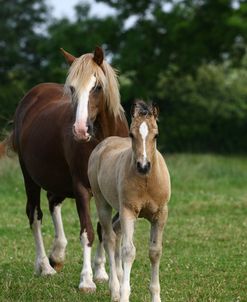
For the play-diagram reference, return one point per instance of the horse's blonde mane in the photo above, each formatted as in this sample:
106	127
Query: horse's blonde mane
80	74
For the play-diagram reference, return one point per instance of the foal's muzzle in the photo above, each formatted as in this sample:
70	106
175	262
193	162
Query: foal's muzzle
143	168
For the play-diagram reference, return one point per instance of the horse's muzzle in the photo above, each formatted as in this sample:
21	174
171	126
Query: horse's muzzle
81	135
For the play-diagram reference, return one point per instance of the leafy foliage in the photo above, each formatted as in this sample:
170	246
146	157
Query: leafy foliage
20	33
187	55
206	112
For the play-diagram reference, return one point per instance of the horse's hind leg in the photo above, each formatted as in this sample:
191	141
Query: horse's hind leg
100	274
34	213
57	255
82	197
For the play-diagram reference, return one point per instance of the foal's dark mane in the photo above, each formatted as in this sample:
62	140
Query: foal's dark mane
143	108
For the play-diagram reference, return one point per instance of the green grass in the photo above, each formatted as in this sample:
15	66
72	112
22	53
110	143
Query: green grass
205	246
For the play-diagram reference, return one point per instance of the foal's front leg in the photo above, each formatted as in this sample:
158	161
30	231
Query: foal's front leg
86	235
155	252
127	219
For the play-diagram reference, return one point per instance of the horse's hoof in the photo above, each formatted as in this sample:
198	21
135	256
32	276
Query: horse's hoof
87	290
87	287
56	265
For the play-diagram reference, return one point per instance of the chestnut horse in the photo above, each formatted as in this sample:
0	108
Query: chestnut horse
56	127
131	176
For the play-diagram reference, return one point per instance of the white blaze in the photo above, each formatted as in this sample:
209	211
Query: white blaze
82	108
144	132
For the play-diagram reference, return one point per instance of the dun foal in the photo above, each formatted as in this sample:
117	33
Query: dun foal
130	175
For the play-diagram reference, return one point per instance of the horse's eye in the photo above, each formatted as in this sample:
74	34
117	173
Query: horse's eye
72	89
131	135
156	135
98	88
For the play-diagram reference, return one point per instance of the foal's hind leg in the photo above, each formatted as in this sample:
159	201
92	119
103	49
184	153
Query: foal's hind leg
34	213
109	239
118	252
57	254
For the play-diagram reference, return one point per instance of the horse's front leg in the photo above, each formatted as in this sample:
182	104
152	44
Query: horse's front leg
100	274
82	197
155	251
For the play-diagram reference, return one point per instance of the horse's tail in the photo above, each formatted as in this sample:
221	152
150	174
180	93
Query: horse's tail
2	148
10	141
8	145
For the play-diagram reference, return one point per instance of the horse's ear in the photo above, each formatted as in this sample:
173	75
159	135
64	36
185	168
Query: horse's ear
69	58
98	55
155	110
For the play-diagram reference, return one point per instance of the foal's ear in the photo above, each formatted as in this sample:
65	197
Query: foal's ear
133	110
69	58
155	110
98	55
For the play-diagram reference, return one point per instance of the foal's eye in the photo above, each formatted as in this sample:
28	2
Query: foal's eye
131	135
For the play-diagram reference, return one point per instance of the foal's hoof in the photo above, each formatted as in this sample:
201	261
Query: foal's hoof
48	272
101	277
115	298
43	268
87	287
56	265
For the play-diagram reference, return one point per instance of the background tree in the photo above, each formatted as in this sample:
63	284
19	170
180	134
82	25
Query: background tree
187	55
21	26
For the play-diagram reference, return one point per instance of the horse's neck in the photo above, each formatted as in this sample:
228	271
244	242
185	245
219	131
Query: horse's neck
108	125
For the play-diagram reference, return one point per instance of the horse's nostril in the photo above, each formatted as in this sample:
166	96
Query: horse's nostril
89	128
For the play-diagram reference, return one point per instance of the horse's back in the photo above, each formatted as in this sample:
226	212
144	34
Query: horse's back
41	120
36	98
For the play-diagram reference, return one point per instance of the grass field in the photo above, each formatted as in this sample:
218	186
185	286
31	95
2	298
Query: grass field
205	243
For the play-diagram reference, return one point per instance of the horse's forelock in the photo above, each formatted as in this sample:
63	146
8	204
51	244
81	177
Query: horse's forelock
80	74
